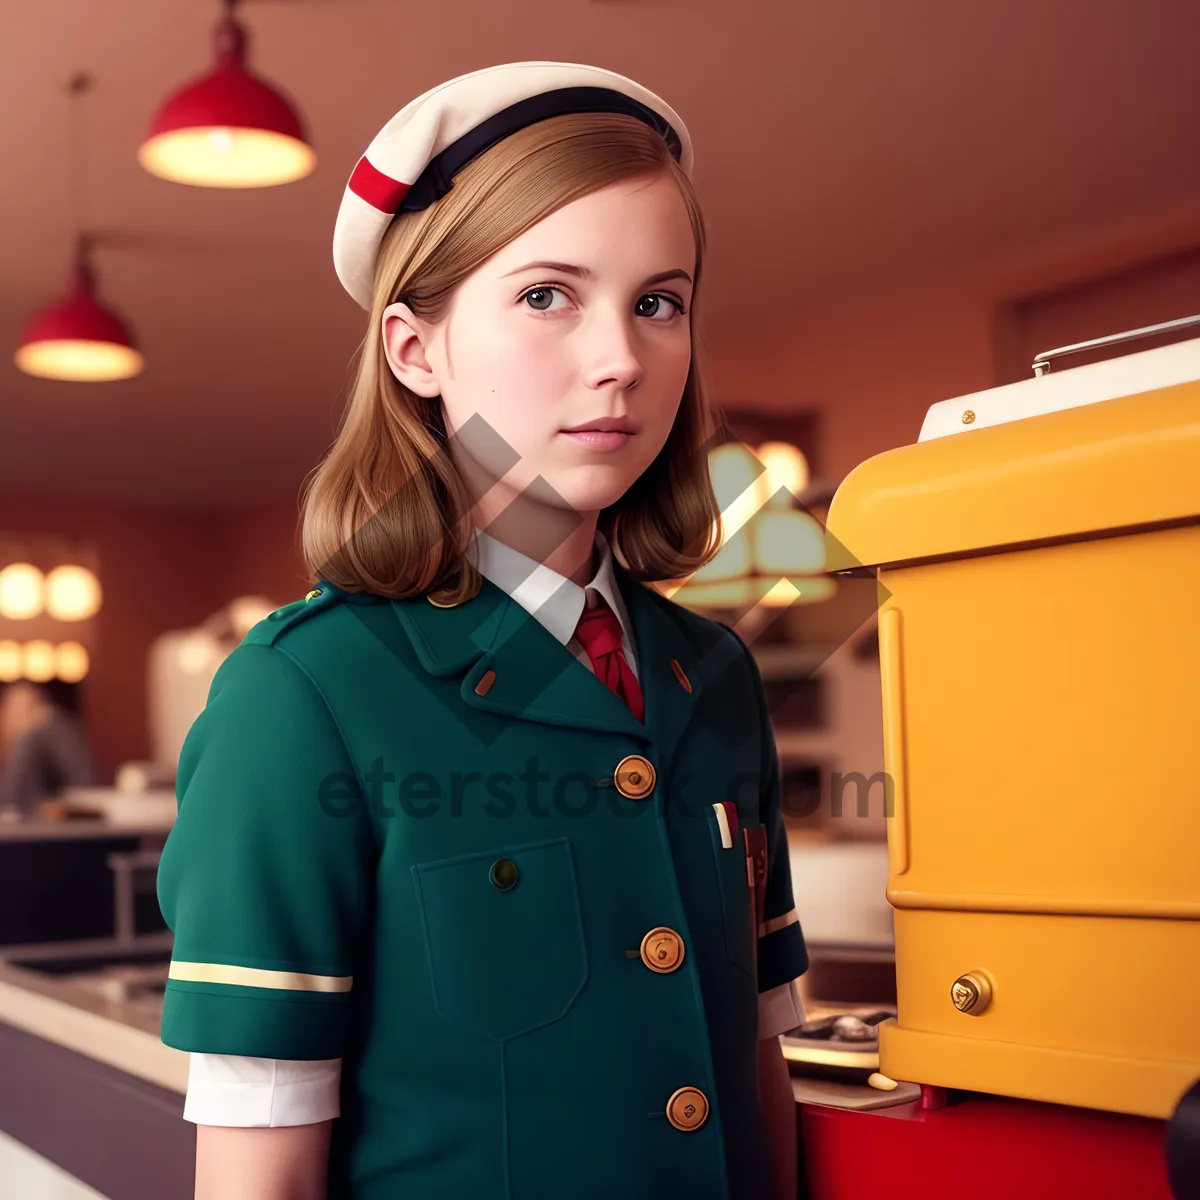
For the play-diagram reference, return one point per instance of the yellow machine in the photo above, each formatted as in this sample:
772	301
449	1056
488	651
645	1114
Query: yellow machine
1039	554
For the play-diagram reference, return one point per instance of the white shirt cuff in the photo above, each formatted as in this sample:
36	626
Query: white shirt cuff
236	1090
779	1010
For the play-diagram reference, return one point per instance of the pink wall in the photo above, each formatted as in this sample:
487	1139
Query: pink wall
264	555
872	366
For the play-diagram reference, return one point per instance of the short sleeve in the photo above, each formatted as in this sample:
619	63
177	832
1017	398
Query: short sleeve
266	877
782	954
233	1091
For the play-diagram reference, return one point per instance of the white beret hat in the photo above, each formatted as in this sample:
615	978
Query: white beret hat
413	159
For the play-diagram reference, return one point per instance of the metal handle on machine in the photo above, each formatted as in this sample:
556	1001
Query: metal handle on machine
1041	364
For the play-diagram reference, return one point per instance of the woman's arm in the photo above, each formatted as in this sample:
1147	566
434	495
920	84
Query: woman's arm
288	1162
779	1108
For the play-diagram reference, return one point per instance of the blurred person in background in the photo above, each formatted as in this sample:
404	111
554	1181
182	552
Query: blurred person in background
43	748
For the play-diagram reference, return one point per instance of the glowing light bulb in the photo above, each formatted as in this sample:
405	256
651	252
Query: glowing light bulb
72	593
71	662
21	591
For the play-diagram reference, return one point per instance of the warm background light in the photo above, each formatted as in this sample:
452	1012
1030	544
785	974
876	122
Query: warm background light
787	542
10	661
78	338
735	475
770	551
224	157
198	652
72	593
21	591
38	661
785	467
229	128
79	361
71	662
246	611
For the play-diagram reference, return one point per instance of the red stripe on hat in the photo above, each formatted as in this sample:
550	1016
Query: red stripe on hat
377	189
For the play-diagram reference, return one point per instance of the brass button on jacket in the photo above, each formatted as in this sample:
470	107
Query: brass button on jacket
662	950
687	1109
634	777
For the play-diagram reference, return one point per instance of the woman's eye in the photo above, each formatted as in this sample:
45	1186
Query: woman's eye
653	306
658	307
540	298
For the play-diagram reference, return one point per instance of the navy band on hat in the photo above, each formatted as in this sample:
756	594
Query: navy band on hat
438	177
412	161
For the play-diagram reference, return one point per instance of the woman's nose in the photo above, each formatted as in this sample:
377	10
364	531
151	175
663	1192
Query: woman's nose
612	352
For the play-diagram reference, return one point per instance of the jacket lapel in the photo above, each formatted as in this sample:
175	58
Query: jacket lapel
664	643
515	667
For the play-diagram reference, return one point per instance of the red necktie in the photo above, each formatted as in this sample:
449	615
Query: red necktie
599	632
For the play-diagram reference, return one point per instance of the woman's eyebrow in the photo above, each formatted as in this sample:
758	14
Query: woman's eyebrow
584	273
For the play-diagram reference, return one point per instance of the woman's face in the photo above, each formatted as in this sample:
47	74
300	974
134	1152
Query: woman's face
581	321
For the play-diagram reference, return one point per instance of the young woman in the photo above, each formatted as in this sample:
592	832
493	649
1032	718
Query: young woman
479	847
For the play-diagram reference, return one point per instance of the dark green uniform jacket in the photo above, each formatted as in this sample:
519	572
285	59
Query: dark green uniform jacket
431	842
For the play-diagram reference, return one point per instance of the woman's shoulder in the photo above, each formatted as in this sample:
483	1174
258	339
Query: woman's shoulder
321	601
289	656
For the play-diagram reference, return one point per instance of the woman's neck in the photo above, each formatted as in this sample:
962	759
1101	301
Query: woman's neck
559	538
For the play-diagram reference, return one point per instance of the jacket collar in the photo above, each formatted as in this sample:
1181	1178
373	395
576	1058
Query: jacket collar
556	601
535	676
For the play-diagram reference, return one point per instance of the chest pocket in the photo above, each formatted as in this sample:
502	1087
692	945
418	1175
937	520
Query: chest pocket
741	934
504	936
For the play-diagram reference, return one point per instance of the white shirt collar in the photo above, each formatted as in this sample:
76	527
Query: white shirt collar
555	601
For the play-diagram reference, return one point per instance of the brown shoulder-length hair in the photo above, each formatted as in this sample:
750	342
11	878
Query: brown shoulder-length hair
385	511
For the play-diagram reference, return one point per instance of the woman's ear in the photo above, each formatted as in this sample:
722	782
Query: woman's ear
404	339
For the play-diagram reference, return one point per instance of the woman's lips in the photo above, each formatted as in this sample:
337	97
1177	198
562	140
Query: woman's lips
603	441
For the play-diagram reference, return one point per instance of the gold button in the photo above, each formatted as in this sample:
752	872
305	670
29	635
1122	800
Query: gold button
687	1109
634	777
971	993
662	950
443	603
313	594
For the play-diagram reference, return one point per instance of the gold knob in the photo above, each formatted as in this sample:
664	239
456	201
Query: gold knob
971	993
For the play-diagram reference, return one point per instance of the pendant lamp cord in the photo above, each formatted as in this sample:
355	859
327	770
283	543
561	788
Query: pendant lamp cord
80	83
231	37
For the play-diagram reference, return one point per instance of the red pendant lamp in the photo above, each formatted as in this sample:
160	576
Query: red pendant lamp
77	338
228	128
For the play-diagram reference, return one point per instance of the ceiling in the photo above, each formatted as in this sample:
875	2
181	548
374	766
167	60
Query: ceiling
840	147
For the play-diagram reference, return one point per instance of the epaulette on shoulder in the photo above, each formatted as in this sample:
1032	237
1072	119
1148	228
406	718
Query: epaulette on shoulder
271	627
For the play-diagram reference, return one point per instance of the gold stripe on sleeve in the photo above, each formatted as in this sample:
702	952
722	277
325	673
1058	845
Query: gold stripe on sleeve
777	923
291	981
